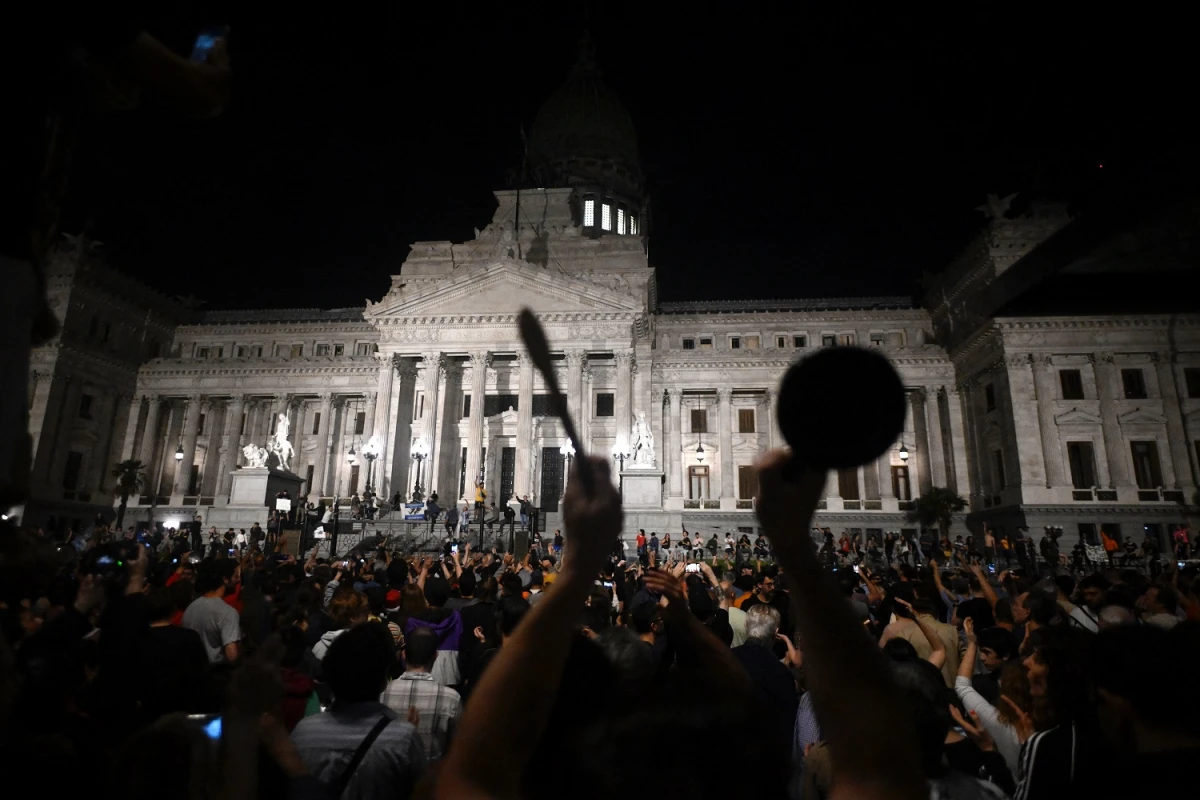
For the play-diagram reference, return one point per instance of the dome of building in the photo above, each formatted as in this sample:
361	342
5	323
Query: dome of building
583	136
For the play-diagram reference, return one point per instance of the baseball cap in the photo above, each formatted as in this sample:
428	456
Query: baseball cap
392	601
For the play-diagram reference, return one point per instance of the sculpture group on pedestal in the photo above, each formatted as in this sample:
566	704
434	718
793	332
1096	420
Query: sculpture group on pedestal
643	442
278	447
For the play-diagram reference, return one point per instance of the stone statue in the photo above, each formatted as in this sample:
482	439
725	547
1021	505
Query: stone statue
643	442
996	207
256	457
278	445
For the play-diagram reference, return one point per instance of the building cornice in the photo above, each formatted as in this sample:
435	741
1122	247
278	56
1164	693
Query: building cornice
790	305
471	320
680	361
235	367
1096	322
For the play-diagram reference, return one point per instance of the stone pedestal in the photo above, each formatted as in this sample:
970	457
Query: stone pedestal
252	497
642	489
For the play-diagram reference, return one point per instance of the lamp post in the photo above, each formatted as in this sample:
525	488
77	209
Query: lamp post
371	451
420	451
179	453
903	453
567	451
621	454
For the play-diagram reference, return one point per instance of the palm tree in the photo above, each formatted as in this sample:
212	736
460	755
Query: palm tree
130	480
937	507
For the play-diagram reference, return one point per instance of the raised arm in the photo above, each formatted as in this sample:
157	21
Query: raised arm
938	656
512	701
853	693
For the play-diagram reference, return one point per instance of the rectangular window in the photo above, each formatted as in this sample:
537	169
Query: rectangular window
85	406
706	343
848	483
543	406
322	349
363	349
828	340
1113	529
217	352
193	484
360	422
751	342
201	352
900	483
340	350
1082	461
241	351
605	402
689	344
316	428
589	213
699	420
606	216
698	483
877	340
1133	381
799	341
466	406
747	482
71	472
846	339
989	397
998	469
418	406
508	473
781	341
735	343
297	350
621	221
1071	381
353	488
745	420
203	418
494	404
256	351
1147	470
633	226
308	479
1191	381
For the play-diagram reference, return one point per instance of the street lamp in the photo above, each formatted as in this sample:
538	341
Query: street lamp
179	453
420	451
567	451
621	454
350	456
371	451
700	453
903	453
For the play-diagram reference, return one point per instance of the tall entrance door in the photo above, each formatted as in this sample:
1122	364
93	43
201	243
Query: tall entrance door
552	478
508	471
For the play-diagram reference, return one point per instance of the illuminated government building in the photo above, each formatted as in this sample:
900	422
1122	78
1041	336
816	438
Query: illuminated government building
1037	416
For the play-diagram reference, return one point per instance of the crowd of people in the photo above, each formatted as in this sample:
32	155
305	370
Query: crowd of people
148	667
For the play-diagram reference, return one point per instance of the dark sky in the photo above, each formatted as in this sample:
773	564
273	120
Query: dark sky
788	153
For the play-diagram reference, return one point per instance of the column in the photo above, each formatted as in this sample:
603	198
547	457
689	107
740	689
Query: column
1026	428
725	430
322	450
233	446
673	457
150	438
131	427
1043	388
479	365
585	407
933	429
183	469
883	471
621	407
387	381
1107	390
776	437
574	388
72	390
916	410
372	399
965	479
522	480
1177	440
107	417
432	367
333	464
400	427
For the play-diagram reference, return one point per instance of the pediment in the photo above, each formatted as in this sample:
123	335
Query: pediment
505	287
1076	417
1140	416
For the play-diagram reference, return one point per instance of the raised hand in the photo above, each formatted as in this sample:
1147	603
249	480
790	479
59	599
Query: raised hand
592	516
974	729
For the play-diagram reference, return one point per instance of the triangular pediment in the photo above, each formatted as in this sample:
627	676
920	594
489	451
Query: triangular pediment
1140	416
1076	417
505	287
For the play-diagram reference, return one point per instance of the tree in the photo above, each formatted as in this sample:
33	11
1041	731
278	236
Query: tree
938	507
130	480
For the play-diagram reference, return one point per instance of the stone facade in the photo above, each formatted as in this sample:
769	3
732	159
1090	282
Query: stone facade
1069	420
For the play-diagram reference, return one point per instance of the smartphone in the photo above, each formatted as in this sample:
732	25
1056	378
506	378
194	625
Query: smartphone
607	584
856	571
1179	565
453	548
992	568
209	723
692	568
207	40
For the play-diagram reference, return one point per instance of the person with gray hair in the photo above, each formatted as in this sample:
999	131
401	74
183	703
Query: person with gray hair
772	680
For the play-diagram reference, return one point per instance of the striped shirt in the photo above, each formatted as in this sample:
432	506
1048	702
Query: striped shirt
438	706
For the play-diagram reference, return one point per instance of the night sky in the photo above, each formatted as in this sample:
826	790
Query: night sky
787	153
